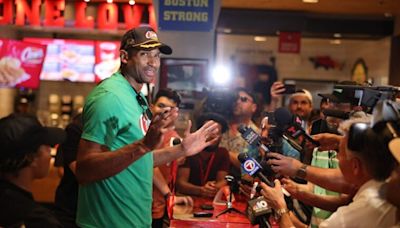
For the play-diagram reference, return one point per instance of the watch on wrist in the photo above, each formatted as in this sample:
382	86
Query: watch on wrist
302	172
280	212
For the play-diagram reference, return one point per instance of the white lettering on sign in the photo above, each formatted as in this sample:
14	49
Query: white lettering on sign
191	3
185	16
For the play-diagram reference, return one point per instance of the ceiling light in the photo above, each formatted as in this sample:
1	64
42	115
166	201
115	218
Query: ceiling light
310	1
260	38
227	30
336	41
337	35
387	14
109	1
132	2
87	0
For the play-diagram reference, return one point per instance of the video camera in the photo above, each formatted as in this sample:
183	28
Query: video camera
365	96
220	101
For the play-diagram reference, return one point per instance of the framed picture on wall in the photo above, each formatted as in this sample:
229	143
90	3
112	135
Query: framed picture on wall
314	86
188	76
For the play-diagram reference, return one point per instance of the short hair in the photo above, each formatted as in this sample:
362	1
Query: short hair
374	151
248	92
203	118
169	93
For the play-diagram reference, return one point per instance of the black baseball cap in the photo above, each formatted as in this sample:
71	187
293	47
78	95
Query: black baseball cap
143	38
21	134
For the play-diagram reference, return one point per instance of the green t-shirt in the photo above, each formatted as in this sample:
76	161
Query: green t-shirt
323	159
113	117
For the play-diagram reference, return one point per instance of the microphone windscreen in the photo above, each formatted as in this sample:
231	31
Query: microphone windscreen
283	117
242	157
242	128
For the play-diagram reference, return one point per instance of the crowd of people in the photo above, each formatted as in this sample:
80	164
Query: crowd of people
125	165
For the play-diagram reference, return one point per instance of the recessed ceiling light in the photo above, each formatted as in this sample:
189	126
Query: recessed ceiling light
109	1
336	41
337	35
310	1
260	38
87	0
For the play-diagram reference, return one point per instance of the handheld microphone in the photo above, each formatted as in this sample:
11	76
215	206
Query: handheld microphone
252	137
286	121
257	209
252	167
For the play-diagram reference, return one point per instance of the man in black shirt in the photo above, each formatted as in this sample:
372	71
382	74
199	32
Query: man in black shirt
24	156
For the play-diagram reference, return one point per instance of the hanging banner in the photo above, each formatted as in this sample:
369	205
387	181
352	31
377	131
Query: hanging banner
186	15
289	42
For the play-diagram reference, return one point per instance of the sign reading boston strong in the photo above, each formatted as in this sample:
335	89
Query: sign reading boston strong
186	15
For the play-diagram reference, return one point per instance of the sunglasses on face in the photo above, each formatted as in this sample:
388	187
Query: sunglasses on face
243	99
143	104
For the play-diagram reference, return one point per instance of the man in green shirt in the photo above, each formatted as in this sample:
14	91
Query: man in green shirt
120	140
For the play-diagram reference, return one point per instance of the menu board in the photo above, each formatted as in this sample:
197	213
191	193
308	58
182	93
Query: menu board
20	63
70	60
107	59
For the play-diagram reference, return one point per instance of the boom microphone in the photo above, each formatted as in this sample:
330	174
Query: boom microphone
252	167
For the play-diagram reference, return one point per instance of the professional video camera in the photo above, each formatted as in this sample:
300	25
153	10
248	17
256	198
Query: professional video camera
220	101
365	96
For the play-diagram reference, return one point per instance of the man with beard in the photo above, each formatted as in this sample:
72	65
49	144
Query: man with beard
204	173
243	111
120	142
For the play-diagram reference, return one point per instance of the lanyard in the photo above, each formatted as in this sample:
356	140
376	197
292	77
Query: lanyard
205	177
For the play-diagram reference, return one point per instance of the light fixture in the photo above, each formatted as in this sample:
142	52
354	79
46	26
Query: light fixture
86	0
132	2
227	30
109	1
337	35
310	1
260	38
335	41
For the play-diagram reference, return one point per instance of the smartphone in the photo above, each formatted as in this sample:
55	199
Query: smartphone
289	89
202	214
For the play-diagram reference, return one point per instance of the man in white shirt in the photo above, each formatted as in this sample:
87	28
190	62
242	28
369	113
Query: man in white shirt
366	162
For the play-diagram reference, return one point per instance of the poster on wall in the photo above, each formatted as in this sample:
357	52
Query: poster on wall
67	60
289	42
107	59
20	63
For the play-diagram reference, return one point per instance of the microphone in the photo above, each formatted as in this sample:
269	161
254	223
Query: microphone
288	123
252	167
176	141
257	210
252	137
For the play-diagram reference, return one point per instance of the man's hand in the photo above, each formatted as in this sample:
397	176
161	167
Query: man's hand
283	165
183	200
277	89
274	196
209	189
328	141
195	142
160	124
291	187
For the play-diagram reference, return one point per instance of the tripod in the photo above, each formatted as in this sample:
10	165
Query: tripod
229	208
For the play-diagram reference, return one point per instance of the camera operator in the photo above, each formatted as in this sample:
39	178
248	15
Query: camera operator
365	161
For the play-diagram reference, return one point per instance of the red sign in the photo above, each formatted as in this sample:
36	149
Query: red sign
28	12
289	42
20	63
107	59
